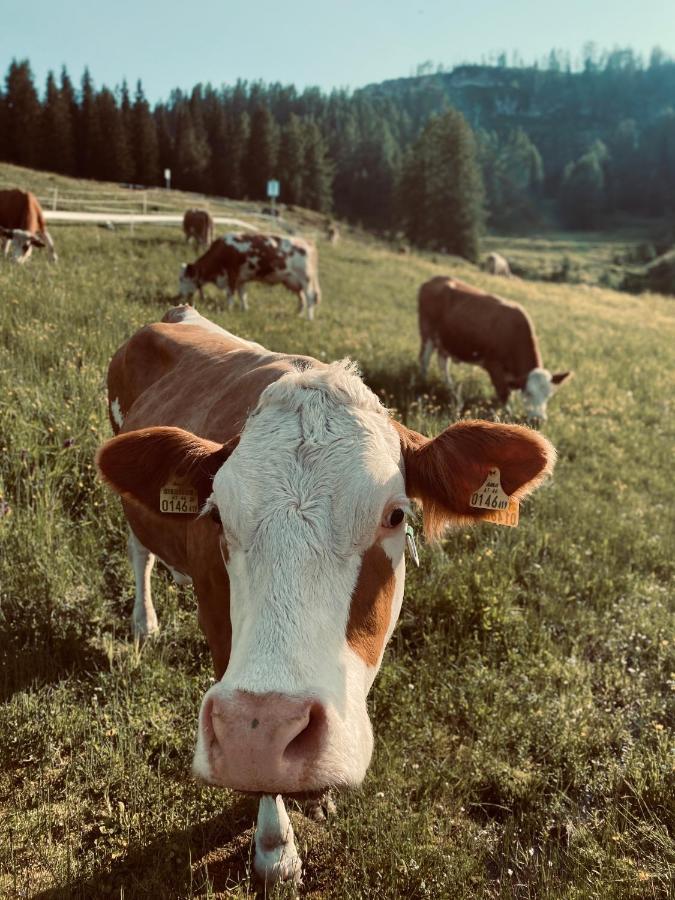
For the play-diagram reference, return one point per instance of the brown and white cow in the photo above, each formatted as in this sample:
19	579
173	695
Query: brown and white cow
235	259
465	324
280	486
22	225
496	264
198	225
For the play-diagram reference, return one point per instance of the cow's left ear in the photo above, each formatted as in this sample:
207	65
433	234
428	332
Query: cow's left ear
6	233
37	242
559	377
138	464
442	473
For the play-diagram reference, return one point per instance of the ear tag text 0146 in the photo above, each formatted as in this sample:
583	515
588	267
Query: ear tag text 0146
502	509
411	544
178	498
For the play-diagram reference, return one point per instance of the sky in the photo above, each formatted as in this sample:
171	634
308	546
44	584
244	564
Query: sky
341	43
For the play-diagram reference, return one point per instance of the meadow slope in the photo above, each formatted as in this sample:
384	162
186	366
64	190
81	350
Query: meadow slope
521	715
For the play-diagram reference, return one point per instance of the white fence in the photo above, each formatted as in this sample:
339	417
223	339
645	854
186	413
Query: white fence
127	204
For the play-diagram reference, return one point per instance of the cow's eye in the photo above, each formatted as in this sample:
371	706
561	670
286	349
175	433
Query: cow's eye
215	515
393	518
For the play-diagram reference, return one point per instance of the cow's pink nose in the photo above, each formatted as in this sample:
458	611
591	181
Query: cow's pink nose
264	742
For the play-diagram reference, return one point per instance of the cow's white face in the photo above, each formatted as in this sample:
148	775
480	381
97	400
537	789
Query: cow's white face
539	387
21	244
536	393
312	506
187	283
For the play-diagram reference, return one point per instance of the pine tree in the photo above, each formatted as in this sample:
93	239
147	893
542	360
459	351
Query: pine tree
88	130
291	162
513	174
112	161
165	140
22	115
317	176
69	99
144	143
374	168
237	138
191	153
261	158
441	189
57	149
215	124
582	192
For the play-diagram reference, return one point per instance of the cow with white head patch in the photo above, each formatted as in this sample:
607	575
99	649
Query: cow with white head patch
22	225
465	324
280	486
234	260
19	244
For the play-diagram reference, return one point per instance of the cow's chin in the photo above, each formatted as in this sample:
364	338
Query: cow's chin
341	763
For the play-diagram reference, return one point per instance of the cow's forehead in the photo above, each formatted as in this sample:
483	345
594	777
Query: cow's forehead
324	455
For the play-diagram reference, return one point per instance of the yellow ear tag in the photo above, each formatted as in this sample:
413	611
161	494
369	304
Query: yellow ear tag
178	498
502	509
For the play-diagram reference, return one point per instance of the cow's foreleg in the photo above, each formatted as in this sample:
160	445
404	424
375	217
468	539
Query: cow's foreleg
498	377
47	238
426	351
144	617
444	363
276	856
243	302
302	302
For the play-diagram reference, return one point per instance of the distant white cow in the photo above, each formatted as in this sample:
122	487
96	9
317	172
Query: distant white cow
498	265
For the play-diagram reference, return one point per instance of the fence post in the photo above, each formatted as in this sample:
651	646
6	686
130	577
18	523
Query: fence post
145	202
55	198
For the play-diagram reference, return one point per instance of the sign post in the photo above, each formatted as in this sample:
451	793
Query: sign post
273	189
167	179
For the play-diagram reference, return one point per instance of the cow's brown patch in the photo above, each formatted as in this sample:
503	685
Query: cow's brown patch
370	611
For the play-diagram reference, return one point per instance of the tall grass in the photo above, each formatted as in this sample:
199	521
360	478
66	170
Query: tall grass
523	711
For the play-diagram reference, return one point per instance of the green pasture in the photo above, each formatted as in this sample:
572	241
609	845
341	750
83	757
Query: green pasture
523	713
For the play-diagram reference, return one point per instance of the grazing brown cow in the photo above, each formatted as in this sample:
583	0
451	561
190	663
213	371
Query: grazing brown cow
198	224
496	264
279	485
22	225
235	259
465	324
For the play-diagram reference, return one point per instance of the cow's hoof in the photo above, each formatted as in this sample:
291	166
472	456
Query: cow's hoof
145	627
278	867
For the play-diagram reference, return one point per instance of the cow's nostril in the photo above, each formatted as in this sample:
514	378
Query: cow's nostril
309	741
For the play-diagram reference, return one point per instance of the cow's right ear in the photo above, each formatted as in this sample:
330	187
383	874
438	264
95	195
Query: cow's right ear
138	464
37	242
6	233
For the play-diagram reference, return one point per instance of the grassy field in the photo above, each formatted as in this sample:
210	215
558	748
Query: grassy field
521	716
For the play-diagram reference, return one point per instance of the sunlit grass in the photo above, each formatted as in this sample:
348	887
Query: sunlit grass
522	713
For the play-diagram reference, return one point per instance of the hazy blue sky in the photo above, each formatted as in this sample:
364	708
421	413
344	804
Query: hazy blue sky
332	44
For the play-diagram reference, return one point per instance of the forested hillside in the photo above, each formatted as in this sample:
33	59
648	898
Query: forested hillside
584	143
